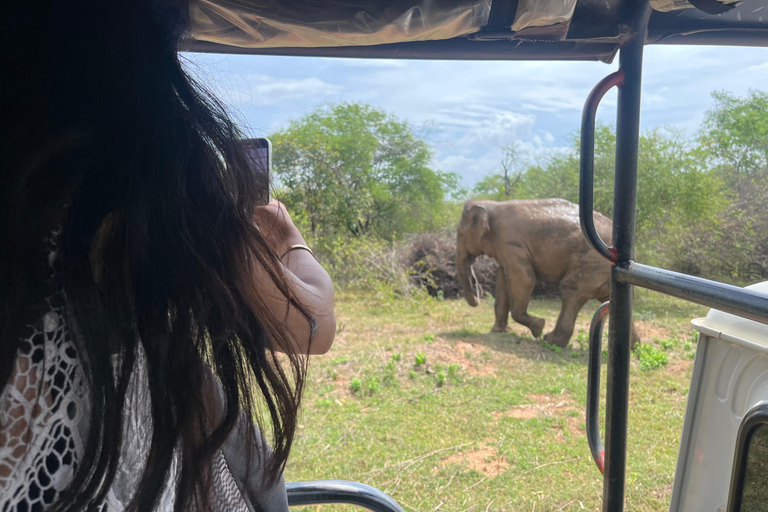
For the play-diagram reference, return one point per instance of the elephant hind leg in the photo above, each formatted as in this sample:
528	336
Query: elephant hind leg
569	311
521	280
575	291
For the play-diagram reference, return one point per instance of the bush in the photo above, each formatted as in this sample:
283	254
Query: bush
365	263
650	357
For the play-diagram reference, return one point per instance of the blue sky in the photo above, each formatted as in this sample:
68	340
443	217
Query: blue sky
467	110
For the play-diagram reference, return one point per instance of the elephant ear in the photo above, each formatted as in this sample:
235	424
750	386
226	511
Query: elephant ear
477	217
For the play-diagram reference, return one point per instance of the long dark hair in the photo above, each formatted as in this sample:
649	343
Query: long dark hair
107	139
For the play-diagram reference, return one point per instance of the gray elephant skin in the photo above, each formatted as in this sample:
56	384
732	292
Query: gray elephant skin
534	240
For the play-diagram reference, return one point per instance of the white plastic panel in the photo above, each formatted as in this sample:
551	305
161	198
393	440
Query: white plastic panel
730	377
731	380
747	330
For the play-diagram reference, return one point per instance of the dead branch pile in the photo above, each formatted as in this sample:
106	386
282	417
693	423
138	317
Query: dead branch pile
431	260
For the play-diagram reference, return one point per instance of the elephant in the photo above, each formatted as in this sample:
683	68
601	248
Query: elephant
534	240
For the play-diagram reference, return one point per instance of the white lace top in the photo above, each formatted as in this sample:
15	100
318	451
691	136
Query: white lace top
44	416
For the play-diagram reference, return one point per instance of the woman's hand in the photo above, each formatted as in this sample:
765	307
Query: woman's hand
311	283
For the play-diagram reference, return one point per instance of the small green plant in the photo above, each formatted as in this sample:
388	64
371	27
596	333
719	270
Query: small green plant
355	385
440	295
668	344
340	360
390	373
429	338
553	348
575	354
453	371
373	385
650	357
397	356
412	375
420	358
440	378
582	338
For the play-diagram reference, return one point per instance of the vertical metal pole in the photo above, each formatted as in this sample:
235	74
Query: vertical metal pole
624	215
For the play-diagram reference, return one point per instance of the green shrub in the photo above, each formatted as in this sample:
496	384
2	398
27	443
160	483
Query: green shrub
650	357
420	358
668	344
373	385
355	385
453	371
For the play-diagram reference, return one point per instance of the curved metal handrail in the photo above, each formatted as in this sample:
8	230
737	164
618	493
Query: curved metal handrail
322	492
587	165
593	384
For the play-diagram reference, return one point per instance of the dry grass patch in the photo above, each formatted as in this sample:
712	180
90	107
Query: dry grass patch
540	405
679	367
484	460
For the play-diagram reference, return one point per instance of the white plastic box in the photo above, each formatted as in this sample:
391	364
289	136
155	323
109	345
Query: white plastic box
730	377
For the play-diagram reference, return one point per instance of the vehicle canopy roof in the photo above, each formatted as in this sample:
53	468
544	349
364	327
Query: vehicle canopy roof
466	29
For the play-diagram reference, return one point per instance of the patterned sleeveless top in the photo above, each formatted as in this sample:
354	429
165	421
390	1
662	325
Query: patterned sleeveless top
44	416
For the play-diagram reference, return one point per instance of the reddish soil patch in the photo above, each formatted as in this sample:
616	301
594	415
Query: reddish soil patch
548	406
484	460
445	353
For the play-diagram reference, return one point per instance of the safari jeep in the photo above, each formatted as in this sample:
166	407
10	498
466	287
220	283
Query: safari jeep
725	436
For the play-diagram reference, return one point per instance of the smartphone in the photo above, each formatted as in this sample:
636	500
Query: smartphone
259	154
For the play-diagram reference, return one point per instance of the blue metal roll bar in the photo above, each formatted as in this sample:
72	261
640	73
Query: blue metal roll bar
323	492
625	272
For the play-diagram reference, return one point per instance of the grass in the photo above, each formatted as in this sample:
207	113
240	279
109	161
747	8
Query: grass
419	399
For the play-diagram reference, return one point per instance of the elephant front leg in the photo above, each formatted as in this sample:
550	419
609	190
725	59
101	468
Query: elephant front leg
521	280
501	307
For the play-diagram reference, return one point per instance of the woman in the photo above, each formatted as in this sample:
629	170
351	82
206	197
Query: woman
144	295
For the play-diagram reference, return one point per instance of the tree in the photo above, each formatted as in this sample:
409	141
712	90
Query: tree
735	138
500	186
355	169
734	142
675	188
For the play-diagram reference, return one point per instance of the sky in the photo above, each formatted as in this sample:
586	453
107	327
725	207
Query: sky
467	110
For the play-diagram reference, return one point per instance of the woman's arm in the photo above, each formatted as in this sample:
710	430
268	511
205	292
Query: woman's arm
311	283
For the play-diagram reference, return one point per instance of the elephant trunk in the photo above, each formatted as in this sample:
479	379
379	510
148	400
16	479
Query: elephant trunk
464	262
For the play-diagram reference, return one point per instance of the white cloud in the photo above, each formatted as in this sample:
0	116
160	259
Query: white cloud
472	108
500	128
268	90
759	67
369	63
470	169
